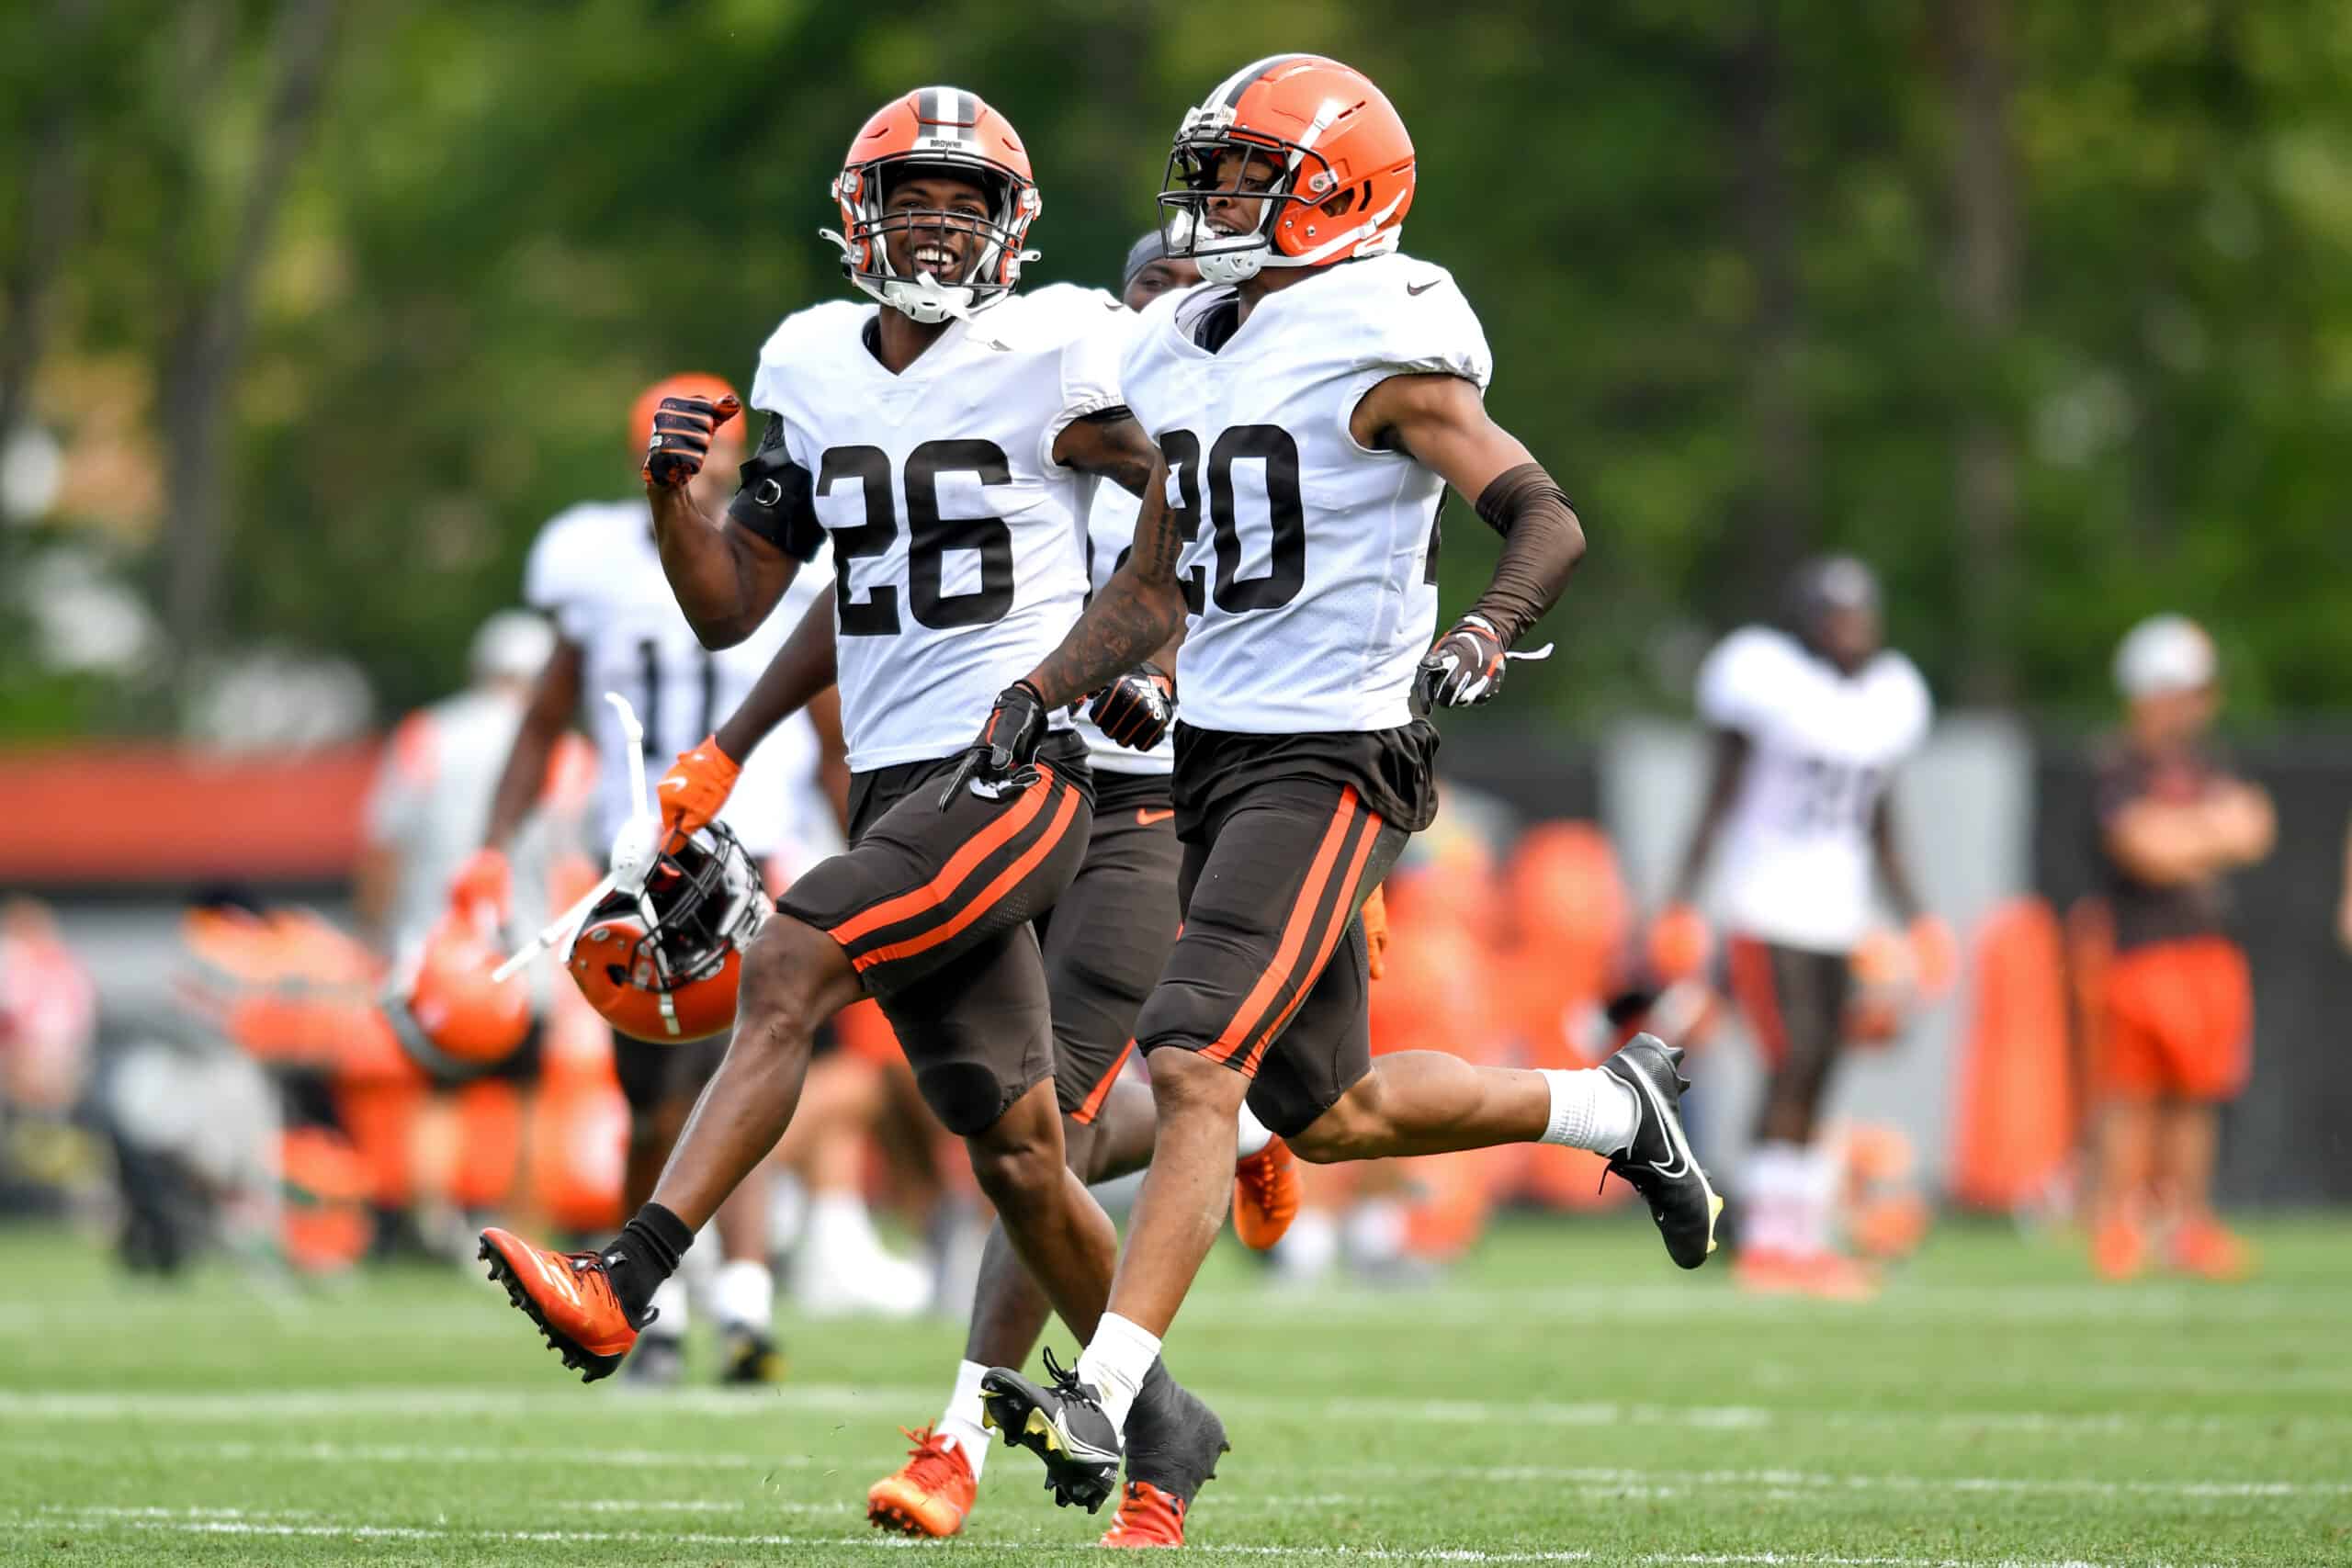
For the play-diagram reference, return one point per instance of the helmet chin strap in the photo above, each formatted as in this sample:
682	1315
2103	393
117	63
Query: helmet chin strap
922	298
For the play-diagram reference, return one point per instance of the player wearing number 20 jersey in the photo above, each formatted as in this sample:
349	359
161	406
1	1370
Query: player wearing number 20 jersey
1310	400
1252	426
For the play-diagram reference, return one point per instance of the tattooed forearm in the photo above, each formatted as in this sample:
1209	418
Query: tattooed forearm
1129	621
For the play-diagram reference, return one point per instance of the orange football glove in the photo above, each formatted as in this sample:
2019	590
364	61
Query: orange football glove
695	788
1375	932
485	881
1681	943
1934	956
683	428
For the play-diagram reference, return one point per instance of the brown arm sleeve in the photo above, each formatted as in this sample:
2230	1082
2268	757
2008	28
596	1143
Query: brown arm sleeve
1542	543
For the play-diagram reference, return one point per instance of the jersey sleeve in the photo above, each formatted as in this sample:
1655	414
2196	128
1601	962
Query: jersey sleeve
559	576
774	500
1100	329
776	496
1426	328
1738	683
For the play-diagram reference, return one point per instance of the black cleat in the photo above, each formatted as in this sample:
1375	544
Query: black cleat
1174	1439
1659	1162
1066	1426
748	1355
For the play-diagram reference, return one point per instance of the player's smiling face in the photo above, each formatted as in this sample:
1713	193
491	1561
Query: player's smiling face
1238	177
942	216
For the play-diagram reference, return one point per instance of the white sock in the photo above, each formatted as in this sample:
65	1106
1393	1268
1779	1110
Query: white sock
839	1221
1815	1198
1115	1360
1376	1230
745	1294
1591	1109
788	1212
960	1423
1309	1248
670	1302
1771	1179
1254	1135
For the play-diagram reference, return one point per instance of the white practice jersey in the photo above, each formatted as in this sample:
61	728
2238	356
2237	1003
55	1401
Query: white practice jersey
1797	859
1110	535
1308	569
595	570
958	542
432	795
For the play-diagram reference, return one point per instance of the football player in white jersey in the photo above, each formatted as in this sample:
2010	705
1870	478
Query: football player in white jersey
1809	731
947	438
1310	402
594	572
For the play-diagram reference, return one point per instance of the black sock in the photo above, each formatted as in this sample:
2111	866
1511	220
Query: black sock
644	1254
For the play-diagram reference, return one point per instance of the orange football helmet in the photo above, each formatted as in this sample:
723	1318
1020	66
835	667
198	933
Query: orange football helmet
448	1013
1345	179
664	964
691	384
935	128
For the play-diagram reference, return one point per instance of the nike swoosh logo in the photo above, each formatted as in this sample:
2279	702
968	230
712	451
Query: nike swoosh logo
1681	1165
1145	816
1421	287
672	784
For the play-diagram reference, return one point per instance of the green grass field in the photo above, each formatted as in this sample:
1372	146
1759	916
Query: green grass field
1567	1397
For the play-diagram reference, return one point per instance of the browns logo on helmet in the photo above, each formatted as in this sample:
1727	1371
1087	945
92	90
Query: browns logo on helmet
935	130
1334	169
665	964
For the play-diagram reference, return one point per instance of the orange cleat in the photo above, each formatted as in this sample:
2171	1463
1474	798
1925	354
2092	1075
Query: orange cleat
929	1495
1833	1277
2205	1250
569	1295
1265	1195
1147	1517
1766	1271
2119	1252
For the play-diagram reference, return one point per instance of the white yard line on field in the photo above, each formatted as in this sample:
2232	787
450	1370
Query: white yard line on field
207	1522
452	1454
1595	1480
1689	1481
474	1400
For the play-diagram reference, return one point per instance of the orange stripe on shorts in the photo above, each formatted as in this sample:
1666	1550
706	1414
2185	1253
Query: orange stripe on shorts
1342	917
1086	1113
1302	918
988	897
960	864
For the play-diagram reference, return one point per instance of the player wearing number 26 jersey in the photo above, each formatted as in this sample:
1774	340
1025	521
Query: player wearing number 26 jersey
1311	399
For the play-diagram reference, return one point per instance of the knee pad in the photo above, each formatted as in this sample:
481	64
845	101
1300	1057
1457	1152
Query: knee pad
965	1096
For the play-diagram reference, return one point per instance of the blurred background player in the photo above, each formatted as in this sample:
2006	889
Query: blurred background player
425	816
1809	729
2177	1035
594	572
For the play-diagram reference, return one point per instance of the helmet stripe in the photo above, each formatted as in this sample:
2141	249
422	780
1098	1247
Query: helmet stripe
1229	92
928	107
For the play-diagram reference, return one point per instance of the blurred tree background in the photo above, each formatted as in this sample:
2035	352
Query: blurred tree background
311	311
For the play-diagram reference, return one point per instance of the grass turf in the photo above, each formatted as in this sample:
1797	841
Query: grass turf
1565	1396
